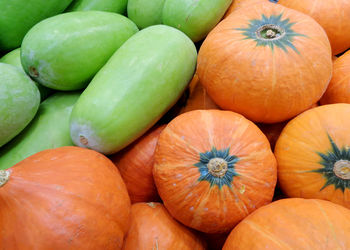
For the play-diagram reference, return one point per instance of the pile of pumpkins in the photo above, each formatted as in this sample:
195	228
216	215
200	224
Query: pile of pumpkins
116	134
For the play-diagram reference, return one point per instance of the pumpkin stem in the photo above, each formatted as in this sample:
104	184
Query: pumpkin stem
4	177
217	167
342	169
269	32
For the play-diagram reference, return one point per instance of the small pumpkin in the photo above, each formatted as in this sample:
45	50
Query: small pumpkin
198	97
268	63
313	155
338	90
332	15
64	198
213	168
135	164
152	227
293	224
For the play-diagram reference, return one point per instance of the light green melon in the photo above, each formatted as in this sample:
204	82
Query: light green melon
145	13
118	6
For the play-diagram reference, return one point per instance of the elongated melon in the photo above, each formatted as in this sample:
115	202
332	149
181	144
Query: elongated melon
18	16
140	82
145	13
19	101
194	17
49	129
13	58
118	6
65	51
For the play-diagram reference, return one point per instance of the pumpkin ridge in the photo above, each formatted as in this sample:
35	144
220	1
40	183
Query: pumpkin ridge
71	195
243	208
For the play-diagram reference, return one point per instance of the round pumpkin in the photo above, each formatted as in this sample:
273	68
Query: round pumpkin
135	164
152	227
236	4
338	90
198	97
293	224
64	198
332	15
313	154
268	63
213	168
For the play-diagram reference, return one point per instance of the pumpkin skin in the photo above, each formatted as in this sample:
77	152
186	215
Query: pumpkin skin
293	224
313	155
198	97
236	4
135	164
152	227
69	198
338	90
333	16
245	76
213	168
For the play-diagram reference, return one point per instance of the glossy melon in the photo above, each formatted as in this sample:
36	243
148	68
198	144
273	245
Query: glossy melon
65	51
118	6
142	80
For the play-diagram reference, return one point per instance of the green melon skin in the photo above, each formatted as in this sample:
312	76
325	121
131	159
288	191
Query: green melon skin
196	18
49	129
19	101
13	58
145	13
64	52
140	82
18	16
117	6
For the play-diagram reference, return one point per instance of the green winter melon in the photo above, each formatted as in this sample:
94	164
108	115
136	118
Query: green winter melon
196	18
18	16
14	59
49	129
19	101
140	82
145	13
118	6
65	51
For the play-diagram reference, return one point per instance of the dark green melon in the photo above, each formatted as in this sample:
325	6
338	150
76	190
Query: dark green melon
140	82
65	51
18	16
13	58
49	129
19	101
118	6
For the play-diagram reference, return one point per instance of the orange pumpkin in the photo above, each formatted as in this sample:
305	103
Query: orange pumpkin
236	4
266	62
198	97
213	168
64	198
313	154
135	164
293	224
152	227
332	15
338	90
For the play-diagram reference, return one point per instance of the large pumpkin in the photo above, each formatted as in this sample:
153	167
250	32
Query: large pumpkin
293	224
338	90
64	198
236	4
333	16
198	97
152	227
313	154
135	164
213	168
266	62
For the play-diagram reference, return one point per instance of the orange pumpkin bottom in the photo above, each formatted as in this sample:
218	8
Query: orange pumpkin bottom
293	224
151	227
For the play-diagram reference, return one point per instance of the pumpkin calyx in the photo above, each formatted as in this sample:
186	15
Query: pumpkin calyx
342	169
217	167
270	32
4	177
